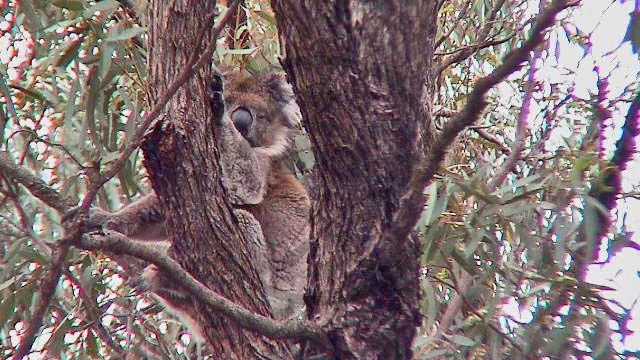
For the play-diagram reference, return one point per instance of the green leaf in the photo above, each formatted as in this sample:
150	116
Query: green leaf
481	194
476	236
69	112
462	340
546	205
266	17
434	354
429	308
241	51
24	295
7	309
34	255
91	96
56	343
68	53
59	24
118	33
91	345
432	194
8	283
32	18
106	7
74	5
462	261
439	206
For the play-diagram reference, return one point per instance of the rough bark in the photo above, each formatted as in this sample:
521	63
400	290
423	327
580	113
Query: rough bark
181	157
362	74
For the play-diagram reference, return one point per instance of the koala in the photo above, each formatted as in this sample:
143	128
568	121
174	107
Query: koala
255	133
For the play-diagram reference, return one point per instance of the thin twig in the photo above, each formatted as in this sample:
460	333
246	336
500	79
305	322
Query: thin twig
412	202
453	25
521	125
454	306
490	138
93	315
37	137
34	184
483	37
46	290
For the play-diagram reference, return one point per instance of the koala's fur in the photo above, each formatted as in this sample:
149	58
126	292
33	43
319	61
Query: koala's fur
272	205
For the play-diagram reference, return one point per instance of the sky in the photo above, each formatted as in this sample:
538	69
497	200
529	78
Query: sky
608	20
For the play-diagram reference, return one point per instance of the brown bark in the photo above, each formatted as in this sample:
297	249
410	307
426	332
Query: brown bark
181	157
363	75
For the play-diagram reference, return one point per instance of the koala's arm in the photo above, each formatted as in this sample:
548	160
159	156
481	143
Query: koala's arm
244	170
142	220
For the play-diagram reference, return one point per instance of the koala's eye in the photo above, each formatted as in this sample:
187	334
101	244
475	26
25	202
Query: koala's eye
242	120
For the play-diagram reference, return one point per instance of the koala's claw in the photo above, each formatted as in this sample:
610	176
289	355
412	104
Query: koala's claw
138	286
144	282
216	99
96	219
152	280
216	82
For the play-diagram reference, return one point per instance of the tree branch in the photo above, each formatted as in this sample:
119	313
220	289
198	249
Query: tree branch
194	63
465	283
34	184
413	200
477	129
47	289
521	125
93	315
119	244
75	231
492	139
624	151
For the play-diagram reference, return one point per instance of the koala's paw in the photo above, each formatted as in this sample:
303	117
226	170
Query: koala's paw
145	282
95	221
216	99
152	280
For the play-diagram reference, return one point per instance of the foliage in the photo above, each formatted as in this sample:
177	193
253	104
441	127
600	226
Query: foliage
505	246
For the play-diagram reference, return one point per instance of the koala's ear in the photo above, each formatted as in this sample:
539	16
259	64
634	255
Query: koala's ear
279	88
282	93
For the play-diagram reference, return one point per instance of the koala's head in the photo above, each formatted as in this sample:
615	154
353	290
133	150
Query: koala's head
263	109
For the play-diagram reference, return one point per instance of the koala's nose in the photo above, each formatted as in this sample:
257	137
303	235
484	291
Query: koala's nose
242	120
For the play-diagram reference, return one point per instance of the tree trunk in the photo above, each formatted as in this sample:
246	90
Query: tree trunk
362	71
181	157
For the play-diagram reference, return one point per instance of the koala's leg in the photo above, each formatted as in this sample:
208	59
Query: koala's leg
178	302
285	219
141	220
252	232
244	171
175	300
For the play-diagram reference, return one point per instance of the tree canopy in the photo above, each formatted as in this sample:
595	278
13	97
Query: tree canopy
520	189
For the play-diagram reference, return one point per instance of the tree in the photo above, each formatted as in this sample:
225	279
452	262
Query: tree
386	88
